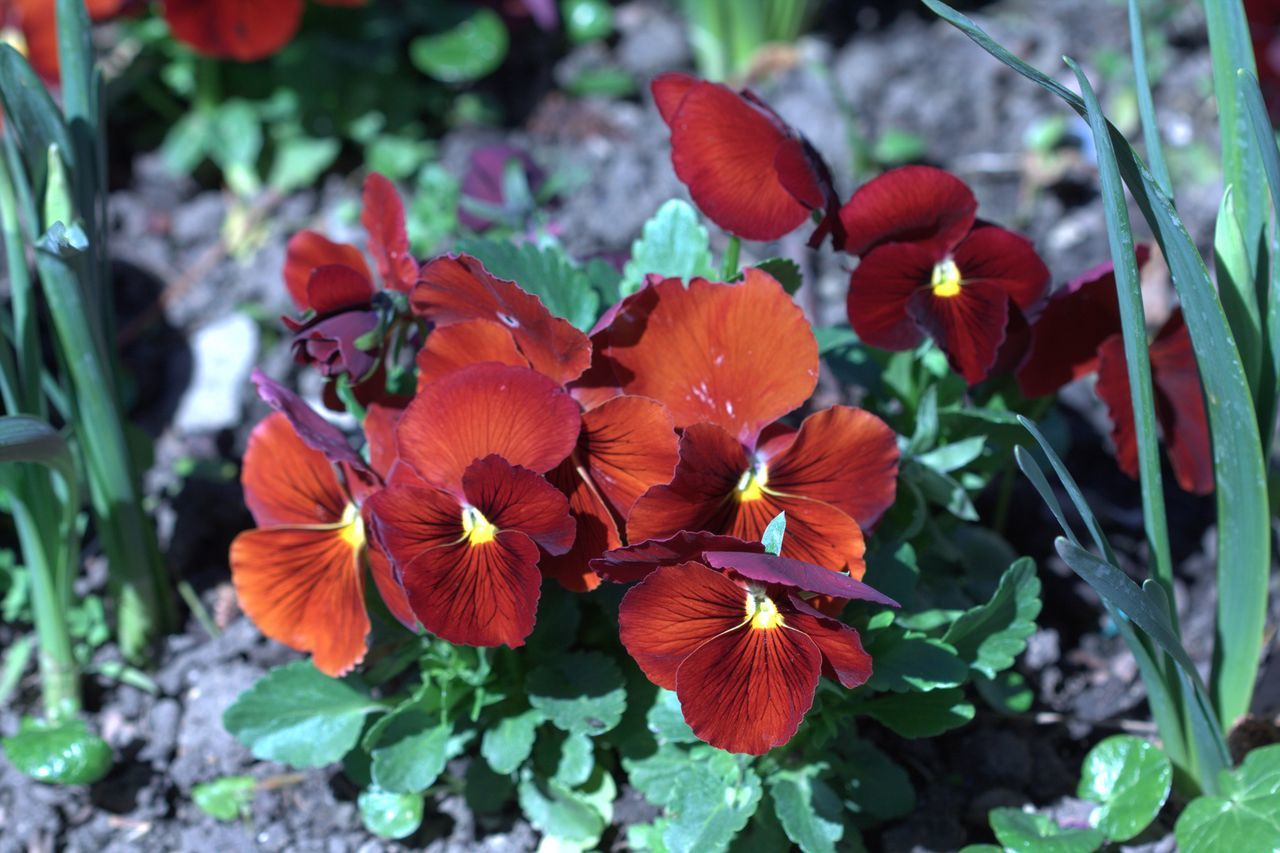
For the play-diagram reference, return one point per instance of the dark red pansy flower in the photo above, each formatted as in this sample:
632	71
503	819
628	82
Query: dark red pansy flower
747	169
457	288
485	183
243	30
730	632
929	267
331	284
1080	333
1264	30
728	360
627	444
300	574
467	510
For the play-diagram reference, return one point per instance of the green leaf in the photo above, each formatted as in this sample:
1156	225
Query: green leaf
1008	692
707	810
487	792
1131	779
227	798
577	760
471	50
389	815
299	162
920	714
909	660
579	692
810	812
62	754
952	457
673	244
877	787
1245	816
572	814
507	745
298	715
666	719
991	635
773	533
654	776
545	272
940	489
35	119
409	750
1029	832
785	270
28	439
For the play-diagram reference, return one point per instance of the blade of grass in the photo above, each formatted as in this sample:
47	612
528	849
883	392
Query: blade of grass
1132	320
1146	106
1244	533
1260	126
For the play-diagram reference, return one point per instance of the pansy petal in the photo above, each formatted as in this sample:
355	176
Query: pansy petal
842	456
737	355
383	219
38	22
1113	389
817	532
910	204
389	587
451	347
747	690
597	532
1184	424
700	496
244	30
723	149
314	430
1006	260
628	445
380	432
843	656
667	616
454	288
308	250
969	327
337	287
796	574
514	412
515	498
1066	336
477	595
635	562
409	519
304	587
287	482
669	90
881	289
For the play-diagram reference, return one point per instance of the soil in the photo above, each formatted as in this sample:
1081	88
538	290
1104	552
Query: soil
196	320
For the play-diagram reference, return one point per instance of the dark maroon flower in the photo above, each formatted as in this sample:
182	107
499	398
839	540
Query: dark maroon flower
485	182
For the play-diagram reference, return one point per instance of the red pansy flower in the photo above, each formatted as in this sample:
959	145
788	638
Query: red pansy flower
930	267
468	509
243	30
1080	333
331	283
728	360
730	632
626	444
747	169
300	575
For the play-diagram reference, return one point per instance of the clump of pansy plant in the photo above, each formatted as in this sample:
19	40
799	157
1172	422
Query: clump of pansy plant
625	547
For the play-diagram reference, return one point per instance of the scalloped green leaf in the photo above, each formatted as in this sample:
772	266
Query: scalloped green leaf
1245	815
991	635
811	814
674	243
507	744
544	271
580	692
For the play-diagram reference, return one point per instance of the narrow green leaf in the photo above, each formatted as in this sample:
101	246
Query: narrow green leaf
36	121
1130	779
773	534
298	715
1137	357
1236	277
27	439
1146	106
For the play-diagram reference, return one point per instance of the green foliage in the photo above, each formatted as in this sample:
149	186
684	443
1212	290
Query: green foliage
227	798
64	753
920	715
471	49
575	815
1130	779
507	744
1243	815
810	812
991	635
785	270
673	244
580	692
773	534
299	716
389	815
409	748
1029	832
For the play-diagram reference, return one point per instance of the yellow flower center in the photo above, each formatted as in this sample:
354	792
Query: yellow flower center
761	610
353	527
751	484
477	528
945	280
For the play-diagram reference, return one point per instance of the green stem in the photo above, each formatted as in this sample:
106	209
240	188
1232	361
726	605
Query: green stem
26	338
729	269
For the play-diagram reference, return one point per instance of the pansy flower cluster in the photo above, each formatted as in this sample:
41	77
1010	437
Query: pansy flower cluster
651	451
